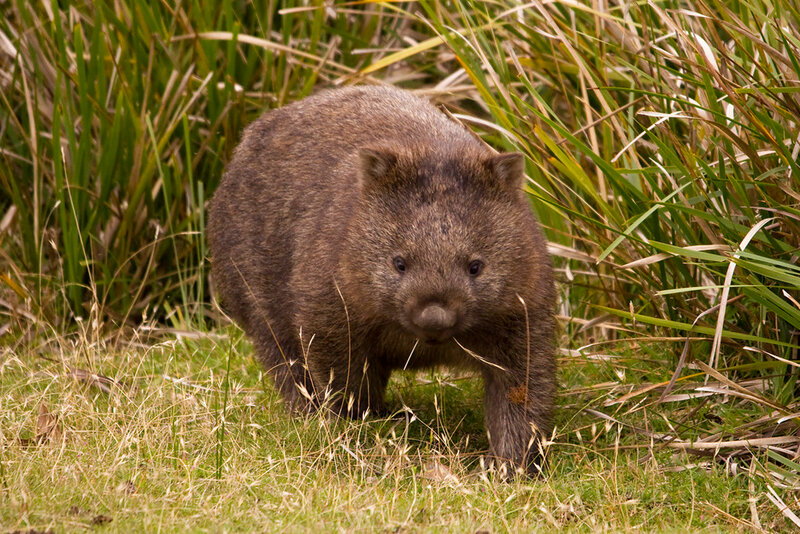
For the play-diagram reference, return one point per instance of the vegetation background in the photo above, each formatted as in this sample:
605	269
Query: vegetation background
662	141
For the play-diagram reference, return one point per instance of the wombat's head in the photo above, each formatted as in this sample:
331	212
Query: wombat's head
441	243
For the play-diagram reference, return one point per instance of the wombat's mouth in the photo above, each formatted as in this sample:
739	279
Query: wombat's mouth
435	341
435	338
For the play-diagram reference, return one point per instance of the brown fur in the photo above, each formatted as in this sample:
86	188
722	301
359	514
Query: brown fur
327	199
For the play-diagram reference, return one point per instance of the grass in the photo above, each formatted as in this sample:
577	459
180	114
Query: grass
662	144
116	123
143	453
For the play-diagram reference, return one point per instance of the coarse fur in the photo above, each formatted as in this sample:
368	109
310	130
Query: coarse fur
360	231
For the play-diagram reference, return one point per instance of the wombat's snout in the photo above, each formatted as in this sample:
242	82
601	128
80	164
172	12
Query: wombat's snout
434	322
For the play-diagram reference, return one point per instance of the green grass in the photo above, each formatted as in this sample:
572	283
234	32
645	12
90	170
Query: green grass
145	455
662	144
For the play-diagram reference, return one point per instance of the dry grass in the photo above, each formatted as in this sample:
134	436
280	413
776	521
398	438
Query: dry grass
159	436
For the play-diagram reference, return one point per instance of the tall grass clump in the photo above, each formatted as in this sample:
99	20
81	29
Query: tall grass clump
116	119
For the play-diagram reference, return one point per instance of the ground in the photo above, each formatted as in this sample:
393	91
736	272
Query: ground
188	434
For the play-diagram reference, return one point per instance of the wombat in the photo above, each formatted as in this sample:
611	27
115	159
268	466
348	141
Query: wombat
361	230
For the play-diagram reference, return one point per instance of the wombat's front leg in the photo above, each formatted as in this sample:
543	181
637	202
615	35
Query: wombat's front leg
346	381
517	417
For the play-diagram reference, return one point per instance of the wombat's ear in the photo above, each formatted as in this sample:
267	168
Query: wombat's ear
508	170
377	165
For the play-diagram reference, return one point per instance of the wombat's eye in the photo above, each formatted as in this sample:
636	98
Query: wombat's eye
475	267
400	264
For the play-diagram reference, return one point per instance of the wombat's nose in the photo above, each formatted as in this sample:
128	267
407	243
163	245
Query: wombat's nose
435	318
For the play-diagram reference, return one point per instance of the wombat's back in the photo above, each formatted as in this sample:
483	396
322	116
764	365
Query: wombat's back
344	120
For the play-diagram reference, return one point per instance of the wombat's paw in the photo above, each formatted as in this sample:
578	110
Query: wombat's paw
337	406
383	412
508	471
301	407
298	400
